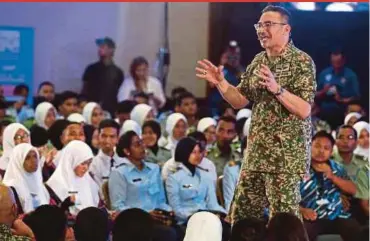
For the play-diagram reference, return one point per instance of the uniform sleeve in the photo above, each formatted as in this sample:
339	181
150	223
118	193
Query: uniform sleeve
362	184
305	82
211	199
117	191
162	196
243	86
228	184
173	194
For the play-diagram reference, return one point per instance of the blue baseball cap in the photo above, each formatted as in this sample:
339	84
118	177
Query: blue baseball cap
107	41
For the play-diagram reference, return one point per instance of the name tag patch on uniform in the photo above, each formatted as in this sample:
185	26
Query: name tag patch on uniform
136	180
187	186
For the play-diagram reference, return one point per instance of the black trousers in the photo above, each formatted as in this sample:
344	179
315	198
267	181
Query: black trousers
348	229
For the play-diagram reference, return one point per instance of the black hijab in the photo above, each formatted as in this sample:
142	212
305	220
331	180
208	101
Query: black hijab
89	133
183	150
156	128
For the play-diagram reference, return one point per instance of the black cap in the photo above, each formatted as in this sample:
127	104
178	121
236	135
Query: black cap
107	41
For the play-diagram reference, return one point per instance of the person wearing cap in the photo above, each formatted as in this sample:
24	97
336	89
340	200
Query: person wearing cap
101	80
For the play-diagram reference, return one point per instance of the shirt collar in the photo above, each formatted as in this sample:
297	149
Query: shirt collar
132	167
104	156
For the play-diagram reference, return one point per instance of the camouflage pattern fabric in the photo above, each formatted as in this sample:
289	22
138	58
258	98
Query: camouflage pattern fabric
279	142
220	160
257	190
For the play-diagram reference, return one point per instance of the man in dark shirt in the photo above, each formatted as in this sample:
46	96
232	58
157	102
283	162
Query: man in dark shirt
101	80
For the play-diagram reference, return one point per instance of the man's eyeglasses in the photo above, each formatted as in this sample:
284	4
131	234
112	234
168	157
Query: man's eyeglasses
267	24
342	138
21	137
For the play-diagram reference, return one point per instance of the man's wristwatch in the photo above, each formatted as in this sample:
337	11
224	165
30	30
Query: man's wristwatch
280	91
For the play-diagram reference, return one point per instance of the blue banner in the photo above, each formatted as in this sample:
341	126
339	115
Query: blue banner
16	57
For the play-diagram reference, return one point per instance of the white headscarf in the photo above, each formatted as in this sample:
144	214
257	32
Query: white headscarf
26	184
350	115
8	142
203	226
130	125
206	122
76	117
246	127
170	125
359	126
243	113
64	180
41	113
88	111
139	113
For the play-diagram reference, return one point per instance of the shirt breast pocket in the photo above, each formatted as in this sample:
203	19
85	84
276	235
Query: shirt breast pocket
153	189
188	192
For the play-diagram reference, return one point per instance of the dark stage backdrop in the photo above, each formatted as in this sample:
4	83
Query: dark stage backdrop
314	32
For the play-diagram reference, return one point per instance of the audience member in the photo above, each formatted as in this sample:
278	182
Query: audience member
186	104
46	90
141	98
130	125
71	178
352	118
355	106
203	226
251	229
223	150
190	190
337	87
225	109
10	228
45	115
67	103
14	134
19	109
141	82
48	223
92	138
24	176
101	80
77	118
93	114
362	129
91	225
207	126
123	111
138	184
151	132
141	113
321	204
286	227
176	128
107	158
133	225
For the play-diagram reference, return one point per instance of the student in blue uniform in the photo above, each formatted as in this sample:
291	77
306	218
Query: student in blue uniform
190	189
138	184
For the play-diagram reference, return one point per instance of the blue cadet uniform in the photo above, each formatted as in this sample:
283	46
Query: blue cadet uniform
187	193
132	188
229	182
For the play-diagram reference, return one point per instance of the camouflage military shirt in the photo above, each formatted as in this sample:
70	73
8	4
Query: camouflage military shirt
279	141
220	159
6	235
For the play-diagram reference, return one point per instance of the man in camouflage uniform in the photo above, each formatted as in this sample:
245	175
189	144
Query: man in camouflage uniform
281	83
224	149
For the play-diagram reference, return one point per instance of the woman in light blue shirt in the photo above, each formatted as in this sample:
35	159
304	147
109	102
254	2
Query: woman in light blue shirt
138	184
190	190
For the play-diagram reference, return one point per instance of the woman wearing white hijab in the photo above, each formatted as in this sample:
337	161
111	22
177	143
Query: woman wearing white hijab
243	113
13	135
351	118
207	126
204	226
77	118
176	128
363	129
130	125
93	114
24	175
71	177
142	113
45	115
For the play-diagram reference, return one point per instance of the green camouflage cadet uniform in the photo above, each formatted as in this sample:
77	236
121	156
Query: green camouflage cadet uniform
162	156
358	171
279	145
214	154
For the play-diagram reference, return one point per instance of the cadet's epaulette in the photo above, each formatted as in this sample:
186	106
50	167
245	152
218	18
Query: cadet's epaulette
234	163
361	158
119	165
203	169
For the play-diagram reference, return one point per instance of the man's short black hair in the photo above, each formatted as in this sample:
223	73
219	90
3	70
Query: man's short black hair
18	89
337	51
65	96
355	102
324	134
183	96
228	119
178	90
278	9
109	123
125	107
347	127
45	83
